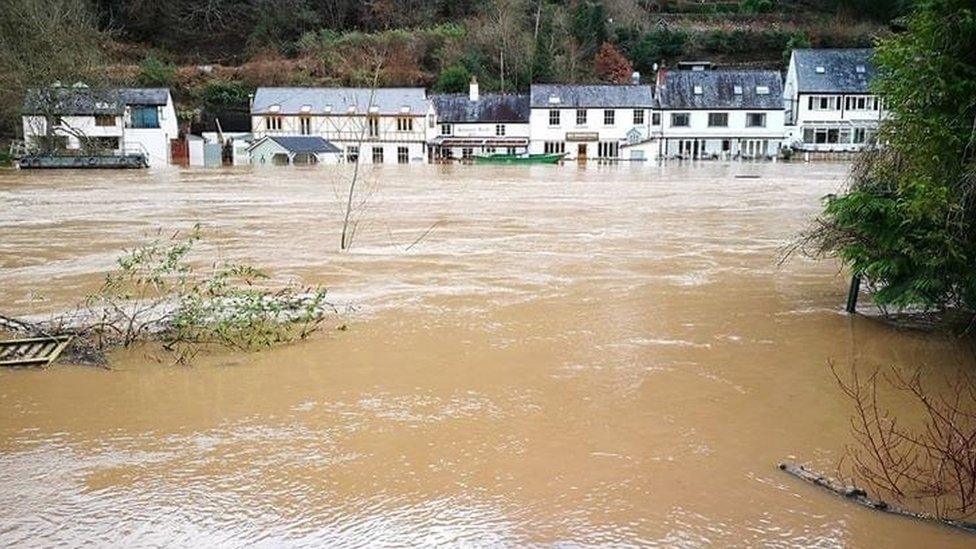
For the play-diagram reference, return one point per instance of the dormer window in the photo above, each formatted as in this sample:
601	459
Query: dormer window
404	110
328	108
553	100
274	108
821	69
306	108
861	69
737	90
352	108
699	90
762	90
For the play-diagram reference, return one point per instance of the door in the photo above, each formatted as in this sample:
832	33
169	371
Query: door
581	152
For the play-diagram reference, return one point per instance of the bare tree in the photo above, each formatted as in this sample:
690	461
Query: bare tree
931	463
42	42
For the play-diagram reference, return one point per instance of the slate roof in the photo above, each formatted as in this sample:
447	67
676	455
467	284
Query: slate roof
840	73
718	89
88	101
489	108
305	144
389	101
591	96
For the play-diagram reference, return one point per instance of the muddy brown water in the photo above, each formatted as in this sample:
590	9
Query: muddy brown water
608	355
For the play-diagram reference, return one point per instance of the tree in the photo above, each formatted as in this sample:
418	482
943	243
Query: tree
43	42
453	79
662	44
155	72
907	221
612	66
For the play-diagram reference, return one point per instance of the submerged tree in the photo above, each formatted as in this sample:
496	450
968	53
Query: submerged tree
907	221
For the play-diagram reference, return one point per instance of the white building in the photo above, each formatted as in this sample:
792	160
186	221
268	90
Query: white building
590	121
706	113
829	105
474	124
381	126
80	120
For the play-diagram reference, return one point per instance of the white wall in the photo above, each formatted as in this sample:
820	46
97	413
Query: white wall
541	131
731	141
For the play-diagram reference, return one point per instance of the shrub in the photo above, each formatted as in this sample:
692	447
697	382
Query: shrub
453	79
225	94
155	72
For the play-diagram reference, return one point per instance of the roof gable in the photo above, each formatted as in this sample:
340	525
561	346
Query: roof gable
833	70
721	89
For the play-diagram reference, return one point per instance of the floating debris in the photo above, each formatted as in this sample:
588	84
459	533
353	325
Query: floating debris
34	351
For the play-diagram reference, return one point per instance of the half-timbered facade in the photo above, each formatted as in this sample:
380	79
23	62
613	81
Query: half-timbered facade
378	126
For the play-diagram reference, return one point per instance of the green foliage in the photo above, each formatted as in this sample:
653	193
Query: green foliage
154	72
756	6
589	24
662	44
908	222
797	41
156	293
225	94
879	10
453	79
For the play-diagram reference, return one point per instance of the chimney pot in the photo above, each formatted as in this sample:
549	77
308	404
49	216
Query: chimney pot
473	89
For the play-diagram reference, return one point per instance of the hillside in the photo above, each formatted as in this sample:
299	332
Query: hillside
214	53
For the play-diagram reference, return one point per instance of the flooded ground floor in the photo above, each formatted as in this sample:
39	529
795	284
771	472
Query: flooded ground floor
599	355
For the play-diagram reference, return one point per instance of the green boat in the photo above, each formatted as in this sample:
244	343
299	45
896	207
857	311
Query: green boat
518	159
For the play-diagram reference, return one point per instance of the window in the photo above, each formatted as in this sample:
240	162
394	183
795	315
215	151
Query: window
352	153
272	123
718	120
404	124
821	69
656	119
148	117
608	117
306	125
377	155
580	117
638	116
756	120
554	147
762	90
104	120
859	135
499	129
403	155
737	90
808	135
467	153
554	117
699	90
861	69
374	126
680	120
446	129
608	149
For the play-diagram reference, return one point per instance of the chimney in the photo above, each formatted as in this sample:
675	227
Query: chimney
473	89
635	78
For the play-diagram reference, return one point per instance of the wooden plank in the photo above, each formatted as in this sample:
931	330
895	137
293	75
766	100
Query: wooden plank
32	351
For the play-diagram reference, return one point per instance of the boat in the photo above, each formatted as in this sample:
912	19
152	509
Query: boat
502	158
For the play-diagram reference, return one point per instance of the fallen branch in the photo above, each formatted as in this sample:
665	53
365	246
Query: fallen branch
860	497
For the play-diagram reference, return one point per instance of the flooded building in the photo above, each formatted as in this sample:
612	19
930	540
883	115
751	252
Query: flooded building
81	120
381	126
828	101
589	121
719	113
479	124
299	150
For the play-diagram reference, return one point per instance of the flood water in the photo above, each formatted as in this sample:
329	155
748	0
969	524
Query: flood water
608	355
